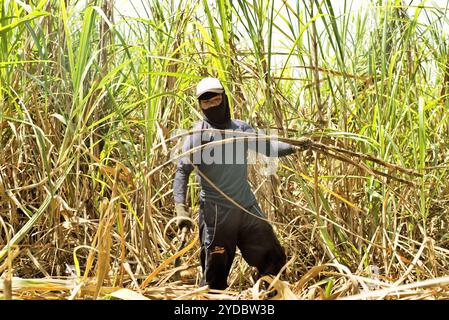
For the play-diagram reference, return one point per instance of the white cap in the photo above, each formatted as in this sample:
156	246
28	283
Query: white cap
209	85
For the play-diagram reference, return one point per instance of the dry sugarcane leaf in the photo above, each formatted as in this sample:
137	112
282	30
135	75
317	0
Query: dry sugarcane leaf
126	294
281	288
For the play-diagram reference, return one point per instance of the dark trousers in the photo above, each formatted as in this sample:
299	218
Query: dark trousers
223	229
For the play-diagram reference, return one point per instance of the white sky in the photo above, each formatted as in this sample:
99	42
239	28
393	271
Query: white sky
125	7
138	8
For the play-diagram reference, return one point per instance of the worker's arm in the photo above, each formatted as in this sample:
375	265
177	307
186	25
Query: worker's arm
276	148
269	147
183	170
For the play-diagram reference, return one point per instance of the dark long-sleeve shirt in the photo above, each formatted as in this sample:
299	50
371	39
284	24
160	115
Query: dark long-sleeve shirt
225	165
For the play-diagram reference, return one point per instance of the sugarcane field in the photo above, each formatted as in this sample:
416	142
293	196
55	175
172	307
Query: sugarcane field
224	150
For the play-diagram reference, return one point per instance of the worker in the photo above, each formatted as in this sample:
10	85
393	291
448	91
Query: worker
229	215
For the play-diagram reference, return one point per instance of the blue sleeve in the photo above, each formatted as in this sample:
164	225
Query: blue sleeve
183	170
268	147
279	149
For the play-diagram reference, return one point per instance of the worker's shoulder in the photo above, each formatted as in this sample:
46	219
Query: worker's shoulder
241	125
198	124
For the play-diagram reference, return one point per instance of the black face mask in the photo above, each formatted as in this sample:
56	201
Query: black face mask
220	115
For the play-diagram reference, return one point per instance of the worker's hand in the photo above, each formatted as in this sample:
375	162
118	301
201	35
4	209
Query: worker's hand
183	216
303	143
